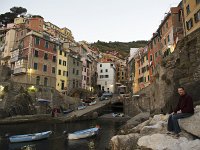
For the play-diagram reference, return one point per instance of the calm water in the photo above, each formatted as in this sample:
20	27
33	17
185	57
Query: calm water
57	140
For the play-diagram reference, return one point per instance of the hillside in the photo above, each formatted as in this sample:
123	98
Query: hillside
121	47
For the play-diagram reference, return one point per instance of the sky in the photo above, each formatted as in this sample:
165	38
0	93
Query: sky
104	20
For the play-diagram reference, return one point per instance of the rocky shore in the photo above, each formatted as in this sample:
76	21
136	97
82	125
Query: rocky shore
145	132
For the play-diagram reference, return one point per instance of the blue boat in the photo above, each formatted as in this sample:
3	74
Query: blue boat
83	133
29	137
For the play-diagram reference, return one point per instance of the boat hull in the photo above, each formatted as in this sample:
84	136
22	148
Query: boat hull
83	134
29	137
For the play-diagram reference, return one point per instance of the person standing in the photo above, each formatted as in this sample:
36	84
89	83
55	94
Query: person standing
184	109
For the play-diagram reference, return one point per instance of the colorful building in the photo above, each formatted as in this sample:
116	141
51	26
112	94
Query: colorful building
191	9
33	60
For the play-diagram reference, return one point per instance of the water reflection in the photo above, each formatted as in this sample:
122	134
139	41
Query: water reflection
58	141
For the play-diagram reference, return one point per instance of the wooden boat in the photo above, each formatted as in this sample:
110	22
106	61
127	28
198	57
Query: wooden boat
29	137
83	133
92	103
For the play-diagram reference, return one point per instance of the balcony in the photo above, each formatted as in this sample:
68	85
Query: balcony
21	70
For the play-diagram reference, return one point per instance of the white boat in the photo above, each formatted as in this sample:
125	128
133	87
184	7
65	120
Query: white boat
29	137
92	103
83	133
118	114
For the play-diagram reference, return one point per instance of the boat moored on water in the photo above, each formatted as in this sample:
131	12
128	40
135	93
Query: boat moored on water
83	133
29	137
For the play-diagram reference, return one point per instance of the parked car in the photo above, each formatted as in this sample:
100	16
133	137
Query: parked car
106	96
89	100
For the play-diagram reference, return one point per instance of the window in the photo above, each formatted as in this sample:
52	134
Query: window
146	57
38	80
73	70
53	70
100	65
74	61
101	76
65	54
45	68
188	9
59	72
84	77
54	58
37	41
64	63
168	38
60	52
85	70
60	61
105	82
36	53
45	56
148	78
45	81
111	64
106	76
189	24
64	73
139	71
77	72
73	83
35	66
151	57
101	71
106	70
197	17
46	44
165	41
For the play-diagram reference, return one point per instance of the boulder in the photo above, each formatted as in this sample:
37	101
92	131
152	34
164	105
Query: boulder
160	126
162	141
126	142
192	124
137	120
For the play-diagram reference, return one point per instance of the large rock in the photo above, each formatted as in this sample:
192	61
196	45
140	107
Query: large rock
162	141
137	120
124	142
192	124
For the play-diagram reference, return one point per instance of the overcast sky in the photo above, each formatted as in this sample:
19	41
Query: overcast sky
105	20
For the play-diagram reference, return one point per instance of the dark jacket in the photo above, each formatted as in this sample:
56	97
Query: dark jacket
185	104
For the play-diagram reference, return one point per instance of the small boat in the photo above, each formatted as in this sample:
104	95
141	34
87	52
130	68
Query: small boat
29	137
92	103
81	107
118	114
83	133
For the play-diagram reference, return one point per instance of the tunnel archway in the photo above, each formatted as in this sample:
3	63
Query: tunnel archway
117	107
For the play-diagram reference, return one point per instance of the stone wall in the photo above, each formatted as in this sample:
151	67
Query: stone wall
181	68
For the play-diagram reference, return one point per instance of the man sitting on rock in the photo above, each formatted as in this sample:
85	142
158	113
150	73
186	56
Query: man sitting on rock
183	109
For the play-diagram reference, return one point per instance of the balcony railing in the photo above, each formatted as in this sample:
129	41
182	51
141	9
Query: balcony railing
20	70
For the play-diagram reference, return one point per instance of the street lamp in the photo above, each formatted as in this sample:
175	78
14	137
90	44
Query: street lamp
1	88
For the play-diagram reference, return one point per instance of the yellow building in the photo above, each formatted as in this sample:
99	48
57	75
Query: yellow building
62	74
191	15
9	43
19	20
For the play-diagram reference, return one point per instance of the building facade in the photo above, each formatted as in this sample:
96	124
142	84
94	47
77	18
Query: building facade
106	76
191	11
